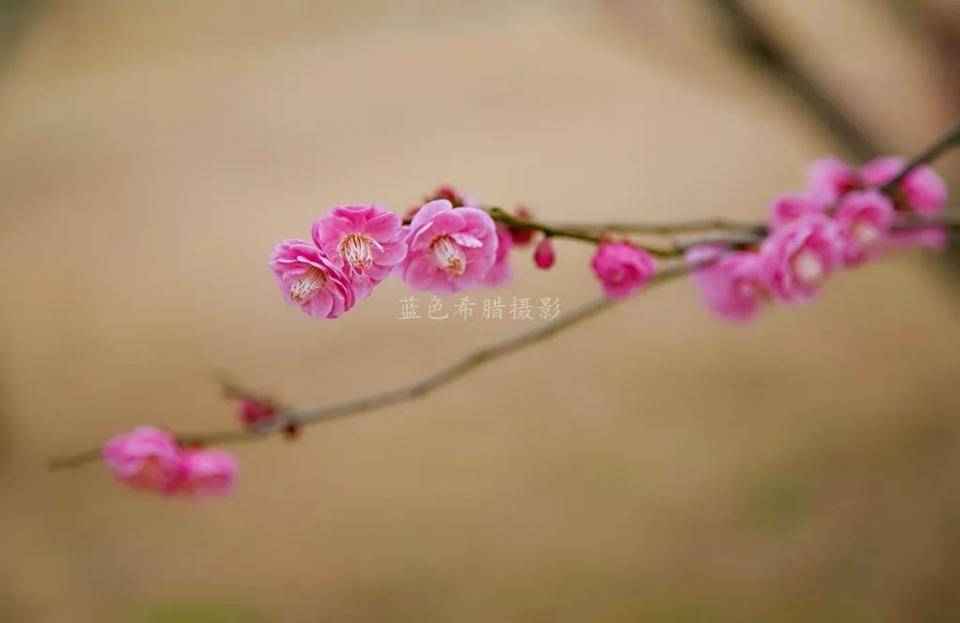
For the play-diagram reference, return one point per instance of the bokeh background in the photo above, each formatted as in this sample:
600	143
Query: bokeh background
653	464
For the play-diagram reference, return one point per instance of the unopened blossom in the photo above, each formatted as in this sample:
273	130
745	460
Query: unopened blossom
451	194
622	268
449	249
456	198
829	179
522	235
864	218
786	208
253	411
364	241
500	273
543	255
146	458
310	280
922	190
730	281
208	473
798	257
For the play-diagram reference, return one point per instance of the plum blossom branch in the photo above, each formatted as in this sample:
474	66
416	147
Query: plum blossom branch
294	418
289	419
846	217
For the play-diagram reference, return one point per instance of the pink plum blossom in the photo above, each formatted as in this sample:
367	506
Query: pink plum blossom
500	273
449	249
788	208
543	255
308	279
798	257
730	281
829	179
922	190
622	268
208	473
363	241
864	218
146	458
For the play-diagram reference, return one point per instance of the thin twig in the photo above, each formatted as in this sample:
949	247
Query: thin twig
667	227
560	231
296	419
405	393
949	140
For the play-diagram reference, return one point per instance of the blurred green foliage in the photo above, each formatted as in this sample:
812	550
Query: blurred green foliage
196	613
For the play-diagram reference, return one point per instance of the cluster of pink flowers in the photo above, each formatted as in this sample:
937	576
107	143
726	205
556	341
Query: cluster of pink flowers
449	244
842	220
149	459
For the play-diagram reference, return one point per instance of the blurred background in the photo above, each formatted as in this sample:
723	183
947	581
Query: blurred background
653	464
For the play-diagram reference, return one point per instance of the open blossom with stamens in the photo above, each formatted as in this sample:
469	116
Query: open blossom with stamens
146	458
363	241
622	268
449	249
208	473
308	279
798	257
921	191
729	281
864	218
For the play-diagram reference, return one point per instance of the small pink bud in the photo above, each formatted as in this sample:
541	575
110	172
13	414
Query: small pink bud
544	256
253	411
522	235
291	431
451	194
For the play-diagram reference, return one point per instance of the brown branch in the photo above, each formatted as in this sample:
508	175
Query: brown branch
668	227
574	233
405	393
949	140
